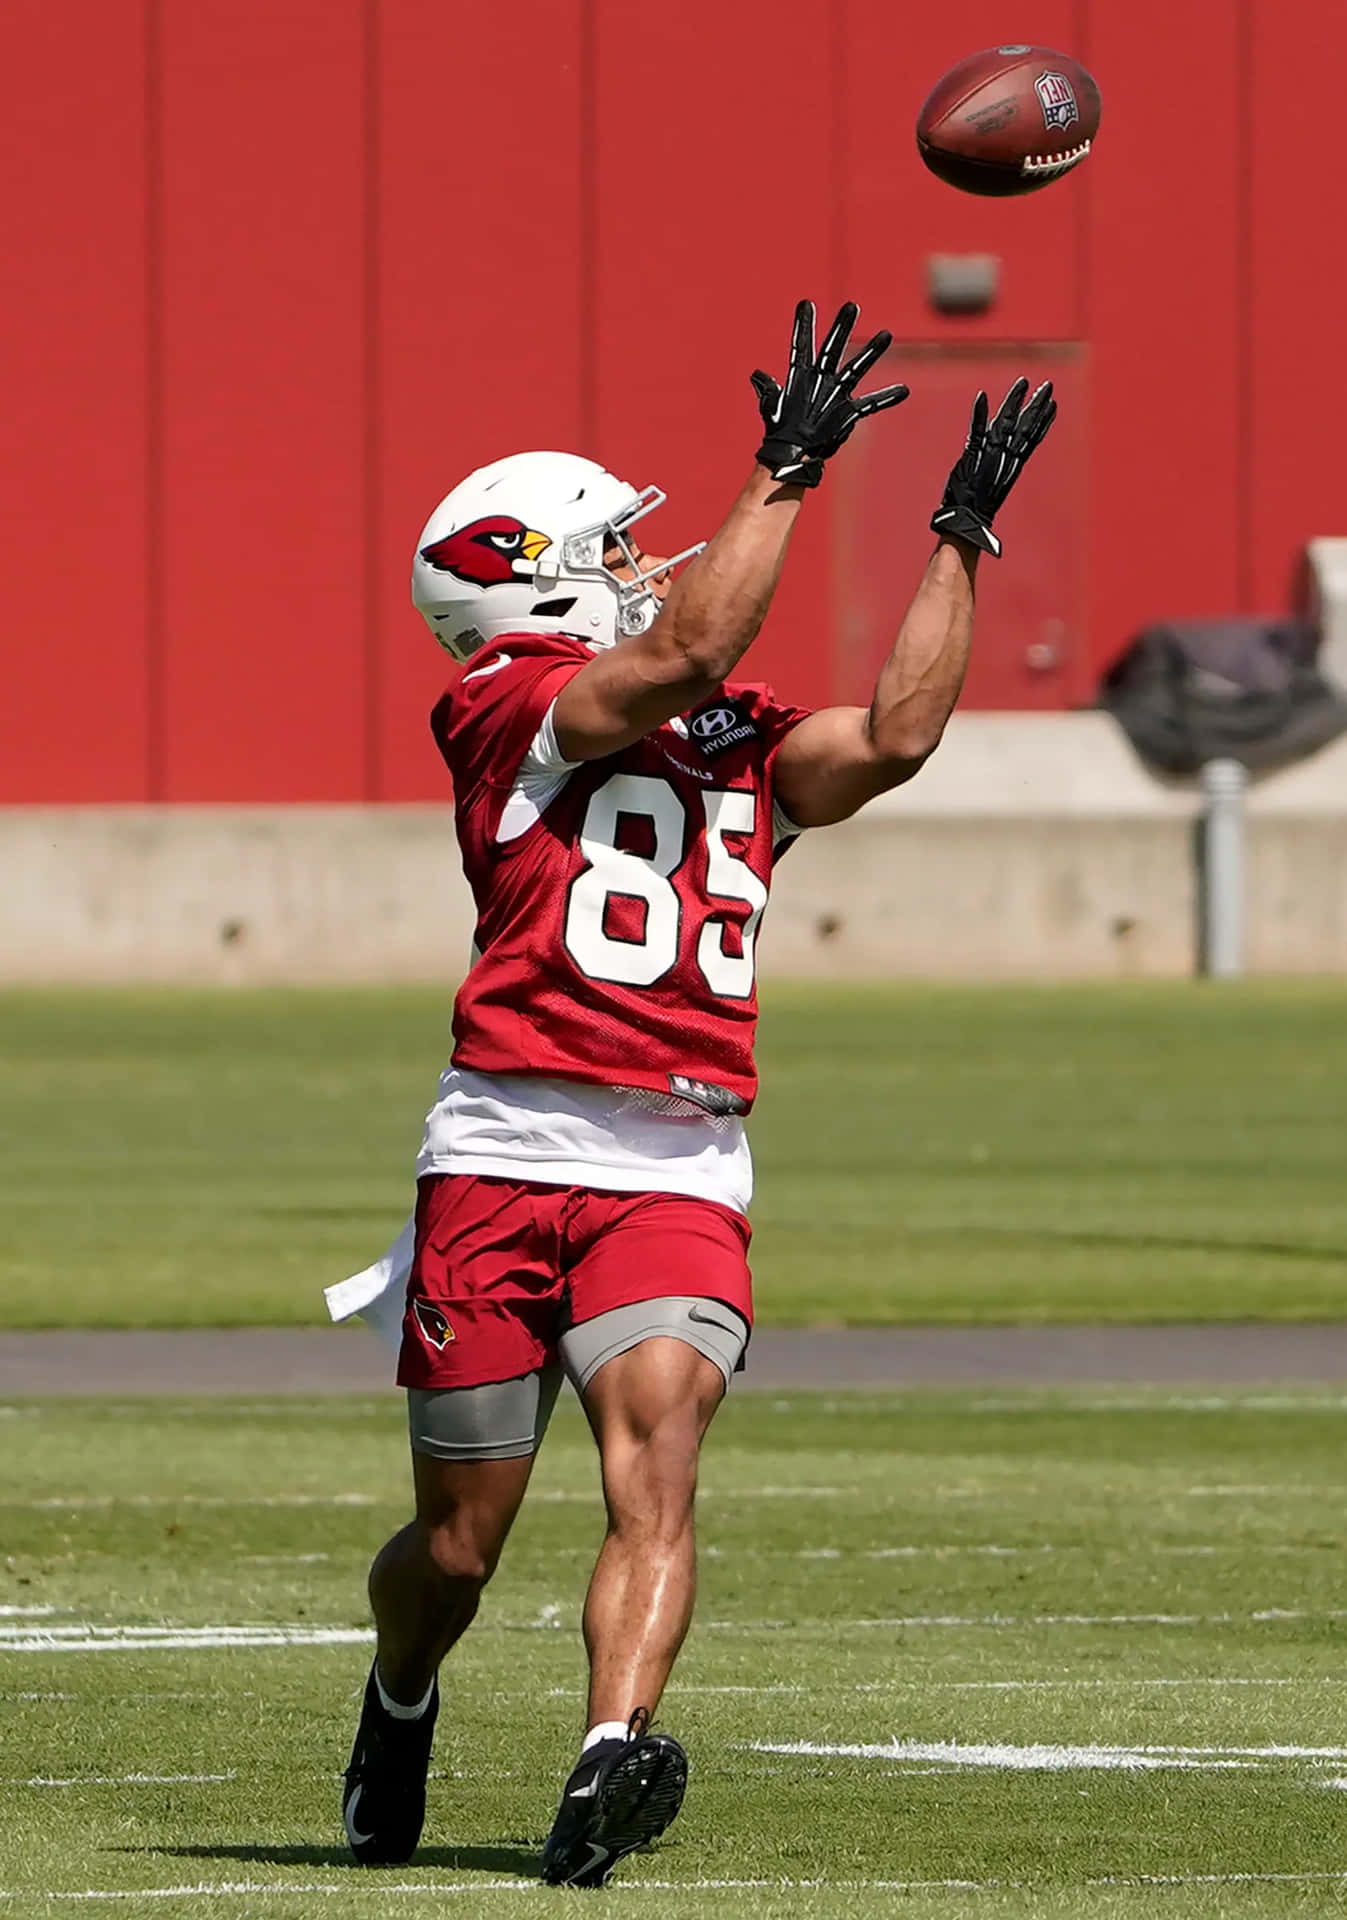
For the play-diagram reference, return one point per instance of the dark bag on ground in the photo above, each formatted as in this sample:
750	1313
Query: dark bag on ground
1199	690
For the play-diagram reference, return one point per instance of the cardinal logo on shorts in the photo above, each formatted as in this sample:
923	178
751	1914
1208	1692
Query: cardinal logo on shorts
1057	98
433	1325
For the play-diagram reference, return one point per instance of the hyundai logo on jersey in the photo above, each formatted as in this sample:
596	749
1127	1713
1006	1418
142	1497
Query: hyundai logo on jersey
716	729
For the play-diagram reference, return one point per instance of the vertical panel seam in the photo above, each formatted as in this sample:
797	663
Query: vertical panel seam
587	251
839	261
1082	674
1083	188
370	483
155	773
839	265
1245	161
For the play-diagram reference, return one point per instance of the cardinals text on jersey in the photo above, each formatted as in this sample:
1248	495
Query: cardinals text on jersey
618	907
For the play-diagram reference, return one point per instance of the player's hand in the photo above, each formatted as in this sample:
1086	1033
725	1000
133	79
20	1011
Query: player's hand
990	464
808	419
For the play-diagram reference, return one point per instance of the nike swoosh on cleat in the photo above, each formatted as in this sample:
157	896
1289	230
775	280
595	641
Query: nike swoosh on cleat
585	1793
348	1821
597	1856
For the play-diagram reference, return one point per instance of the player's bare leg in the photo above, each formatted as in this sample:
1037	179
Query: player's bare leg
649	1409
425	1587
426	1583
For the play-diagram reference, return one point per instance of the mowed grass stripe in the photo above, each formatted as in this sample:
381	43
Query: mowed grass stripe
1114	1152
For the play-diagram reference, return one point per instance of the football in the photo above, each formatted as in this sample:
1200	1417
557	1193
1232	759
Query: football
1009	120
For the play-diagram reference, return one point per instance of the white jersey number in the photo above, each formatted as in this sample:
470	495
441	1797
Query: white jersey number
616	874
729	974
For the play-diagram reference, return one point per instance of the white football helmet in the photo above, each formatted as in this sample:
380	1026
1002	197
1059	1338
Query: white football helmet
518	547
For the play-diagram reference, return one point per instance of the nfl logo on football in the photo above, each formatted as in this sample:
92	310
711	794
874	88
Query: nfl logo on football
1057	99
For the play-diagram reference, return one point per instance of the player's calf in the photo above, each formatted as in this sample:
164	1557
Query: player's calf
425	1586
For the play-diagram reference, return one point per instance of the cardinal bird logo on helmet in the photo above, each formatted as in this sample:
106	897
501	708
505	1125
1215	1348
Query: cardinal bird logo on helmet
484	553
433	1325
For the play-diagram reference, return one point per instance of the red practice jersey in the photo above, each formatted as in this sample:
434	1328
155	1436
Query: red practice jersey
617	902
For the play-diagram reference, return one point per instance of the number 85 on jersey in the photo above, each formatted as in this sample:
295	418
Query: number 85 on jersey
615	874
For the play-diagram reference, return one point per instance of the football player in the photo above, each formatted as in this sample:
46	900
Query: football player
584	1180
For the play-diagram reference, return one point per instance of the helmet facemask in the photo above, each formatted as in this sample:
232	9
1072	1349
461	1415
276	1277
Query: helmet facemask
582	559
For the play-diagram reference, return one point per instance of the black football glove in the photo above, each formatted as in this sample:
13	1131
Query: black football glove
990	463
808	419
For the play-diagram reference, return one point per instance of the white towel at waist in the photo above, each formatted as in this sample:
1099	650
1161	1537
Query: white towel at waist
379	1293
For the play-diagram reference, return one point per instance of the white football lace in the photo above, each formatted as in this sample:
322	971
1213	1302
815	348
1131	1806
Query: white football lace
1054	162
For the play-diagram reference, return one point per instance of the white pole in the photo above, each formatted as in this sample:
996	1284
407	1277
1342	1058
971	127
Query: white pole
1222	868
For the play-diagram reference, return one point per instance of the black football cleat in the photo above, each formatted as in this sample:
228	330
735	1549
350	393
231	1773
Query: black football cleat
383	1804
621	1796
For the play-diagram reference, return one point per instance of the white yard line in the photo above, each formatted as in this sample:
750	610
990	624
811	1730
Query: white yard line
1260	1492
430	1890
1166	1403
778	1493
1119	1684
250	1889
1003	1620
286	1559
1037	1757
1215	1880
1067	1686
76	1502
1044	1758
988	1549
562	1496
83	1637
943	1550
128	1780
93	1639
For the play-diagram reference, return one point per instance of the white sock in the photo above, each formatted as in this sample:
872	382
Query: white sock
606	1730
395	1707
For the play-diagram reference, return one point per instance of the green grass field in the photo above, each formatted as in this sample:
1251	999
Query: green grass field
1105	1153
1063	1655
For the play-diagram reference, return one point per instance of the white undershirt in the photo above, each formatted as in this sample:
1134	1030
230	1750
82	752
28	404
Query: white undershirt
570	1134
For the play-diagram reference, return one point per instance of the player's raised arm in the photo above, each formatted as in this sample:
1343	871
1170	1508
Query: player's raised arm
840	757
712	612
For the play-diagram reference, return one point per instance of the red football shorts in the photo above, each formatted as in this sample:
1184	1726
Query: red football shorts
503	1267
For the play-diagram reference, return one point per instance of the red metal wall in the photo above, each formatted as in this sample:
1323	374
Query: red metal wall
279	272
